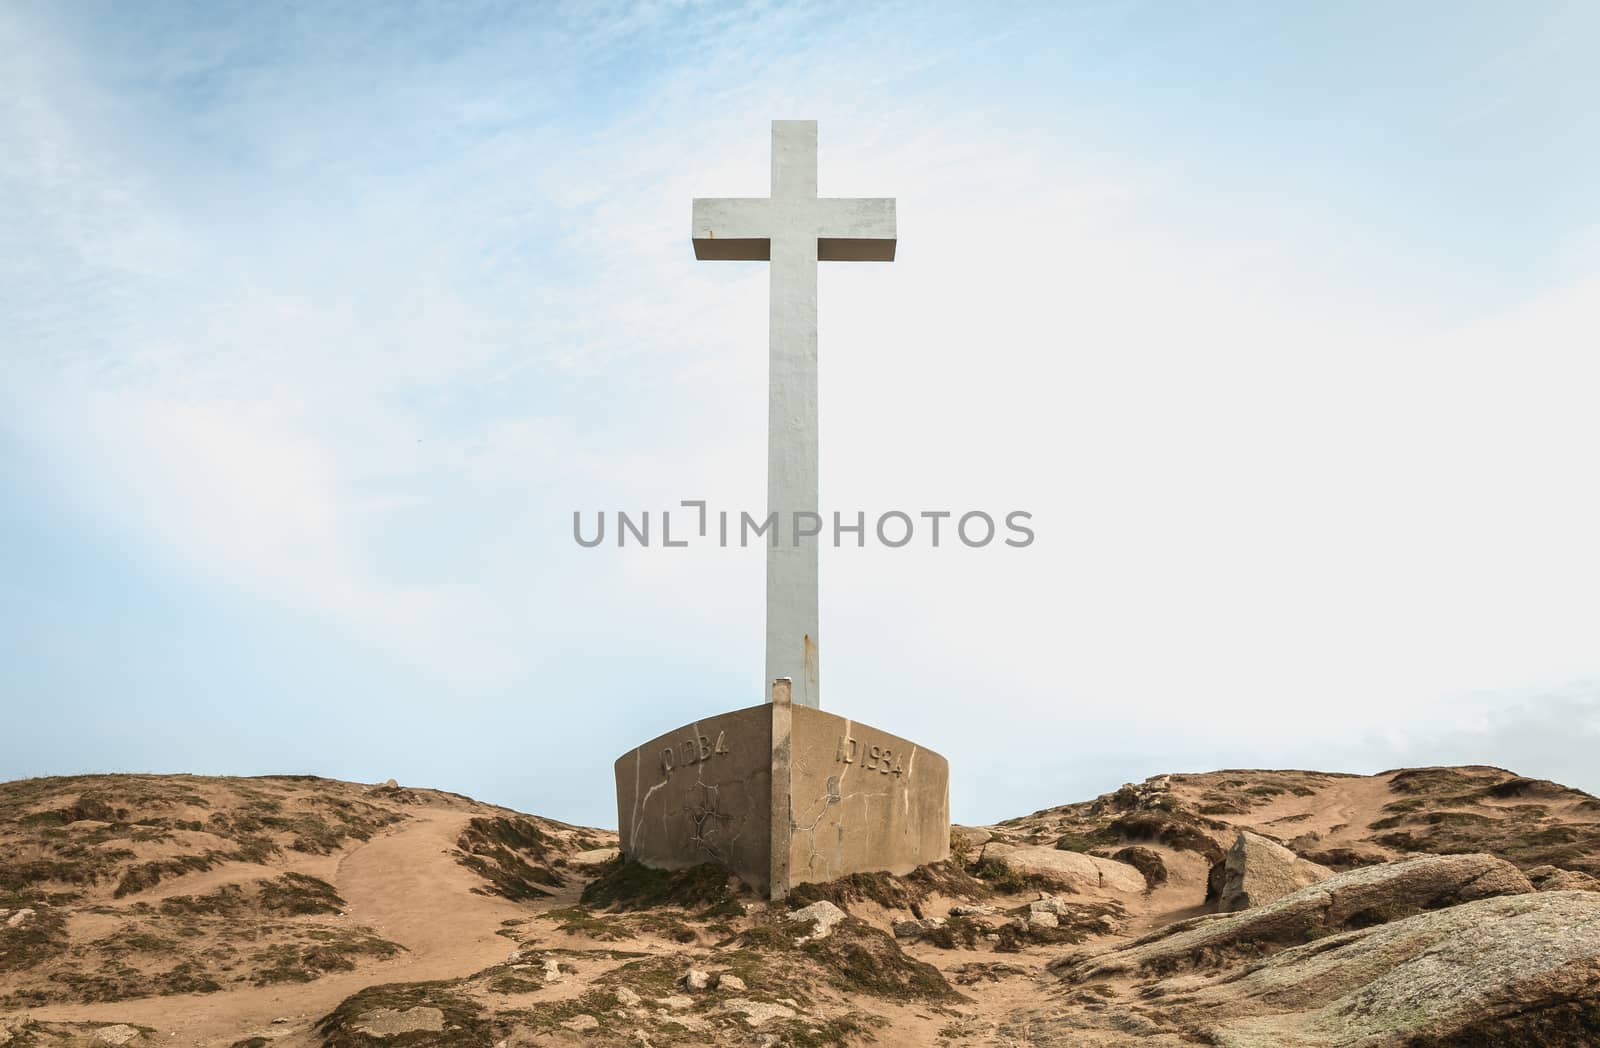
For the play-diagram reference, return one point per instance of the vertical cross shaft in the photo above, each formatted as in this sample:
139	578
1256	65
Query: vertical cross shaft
792	412
793	229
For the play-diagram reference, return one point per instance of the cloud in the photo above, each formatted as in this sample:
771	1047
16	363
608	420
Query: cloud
347	313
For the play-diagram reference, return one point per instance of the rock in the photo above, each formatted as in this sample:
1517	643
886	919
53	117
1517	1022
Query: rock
392	1022
757	1012
1357	899
971	837
627	998
552	970
1257	871
914	929
582	1022
1147	861
694	980
1554	879
973	910
593	857
825	913
730	982
1074	870
390	784
1043	919
677	1002
1517	969
1051	904
119	1034
21	917
514	957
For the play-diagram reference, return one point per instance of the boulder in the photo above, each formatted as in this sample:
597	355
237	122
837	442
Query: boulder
1554	879
758	1012
1147	861
1073	870
694	980
915	929
393	1022
971	837
730	982
825	913
1357	899
1513	970
1258	871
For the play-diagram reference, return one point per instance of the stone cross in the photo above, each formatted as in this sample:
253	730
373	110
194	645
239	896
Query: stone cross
793	229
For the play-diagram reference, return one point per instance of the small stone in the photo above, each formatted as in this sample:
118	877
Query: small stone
582	1022
119	1034
391	1022
552	970
677	1002
730	982
21	917
390	784
917	928
757	1012
825	913
626	997
973	910
514	957
694	980
280	1020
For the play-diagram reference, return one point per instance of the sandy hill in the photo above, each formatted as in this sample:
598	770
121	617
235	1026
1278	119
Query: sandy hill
1435	906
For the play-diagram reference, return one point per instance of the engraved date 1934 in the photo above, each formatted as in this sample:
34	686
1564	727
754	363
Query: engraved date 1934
873	758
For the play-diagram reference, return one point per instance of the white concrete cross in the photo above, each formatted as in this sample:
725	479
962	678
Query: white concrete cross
793	229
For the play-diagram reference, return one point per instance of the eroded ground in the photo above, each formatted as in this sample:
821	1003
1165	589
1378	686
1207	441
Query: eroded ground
297	911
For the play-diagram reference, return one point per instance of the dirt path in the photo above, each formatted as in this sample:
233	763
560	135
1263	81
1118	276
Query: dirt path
404	885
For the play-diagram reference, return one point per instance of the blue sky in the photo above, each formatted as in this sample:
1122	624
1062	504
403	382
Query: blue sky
319	321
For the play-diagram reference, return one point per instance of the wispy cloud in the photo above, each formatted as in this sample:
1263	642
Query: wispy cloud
347	312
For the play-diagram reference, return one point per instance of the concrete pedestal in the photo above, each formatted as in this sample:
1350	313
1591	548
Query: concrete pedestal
783	794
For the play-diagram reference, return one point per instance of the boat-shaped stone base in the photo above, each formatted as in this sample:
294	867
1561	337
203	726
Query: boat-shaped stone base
782	795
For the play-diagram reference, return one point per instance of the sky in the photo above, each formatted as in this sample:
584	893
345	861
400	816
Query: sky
318	323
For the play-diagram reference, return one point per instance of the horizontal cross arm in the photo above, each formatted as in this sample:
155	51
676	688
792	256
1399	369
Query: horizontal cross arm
856	229
735	229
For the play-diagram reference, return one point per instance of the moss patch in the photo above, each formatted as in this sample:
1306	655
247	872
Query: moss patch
513	854
464	1020
624	884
